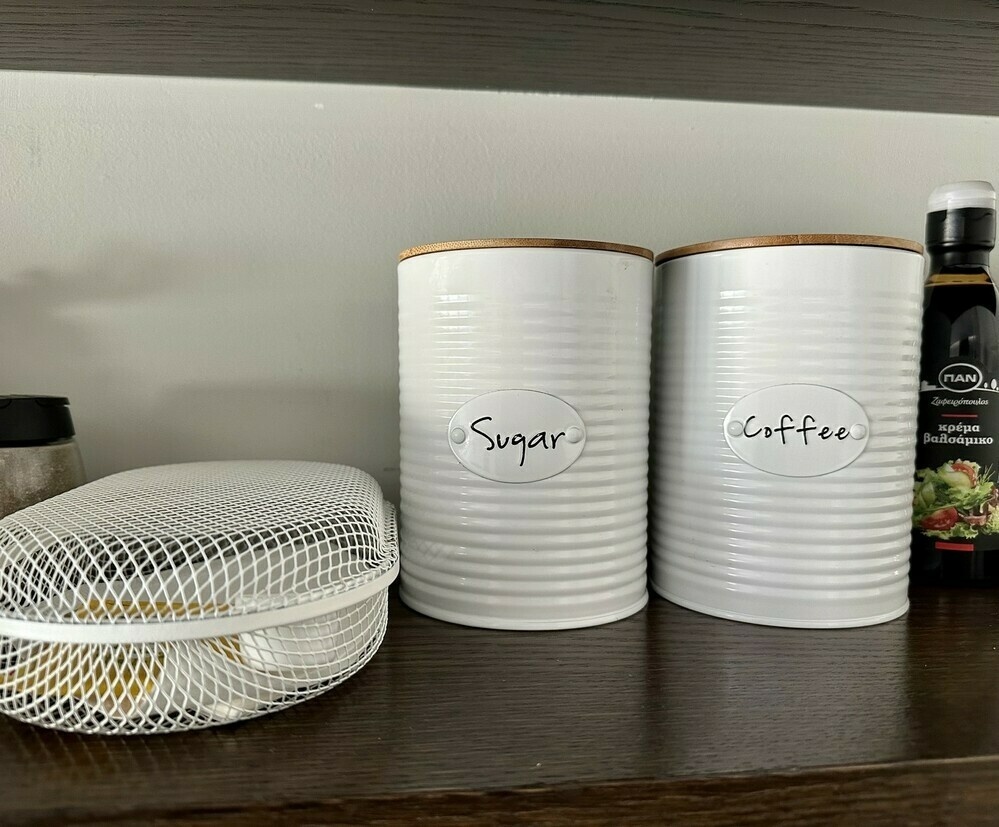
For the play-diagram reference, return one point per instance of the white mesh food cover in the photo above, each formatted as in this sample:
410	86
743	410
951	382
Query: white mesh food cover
185	596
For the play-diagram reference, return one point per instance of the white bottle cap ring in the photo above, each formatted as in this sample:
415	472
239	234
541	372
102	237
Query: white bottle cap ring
963	195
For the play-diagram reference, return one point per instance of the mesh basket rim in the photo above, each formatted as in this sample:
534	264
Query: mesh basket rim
253	520
161	688
192	628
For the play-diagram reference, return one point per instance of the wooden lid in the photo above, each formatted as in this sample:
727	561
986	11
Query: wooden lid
493	243
791	241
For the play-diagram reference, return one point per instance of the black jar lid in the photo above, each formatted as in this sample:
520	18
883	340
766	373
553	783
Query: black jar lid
34	420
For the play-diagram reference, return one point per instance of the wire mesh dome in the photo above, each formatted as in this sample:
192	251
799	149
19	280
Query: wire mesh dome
186	596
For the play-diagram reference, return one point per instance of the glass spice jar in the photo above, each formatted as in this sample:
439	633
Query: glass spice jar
39	457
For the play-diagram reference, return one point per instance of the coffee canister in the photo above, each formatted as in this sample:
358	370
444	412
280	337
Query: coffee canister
524	391
785	416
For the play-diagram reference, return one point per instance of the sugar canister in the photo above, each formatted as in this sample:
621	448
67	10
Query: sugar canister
524	378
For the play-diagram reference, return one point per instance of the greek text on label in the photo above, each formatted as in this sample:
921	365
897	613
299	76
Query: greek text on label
960	377
945	431
947	402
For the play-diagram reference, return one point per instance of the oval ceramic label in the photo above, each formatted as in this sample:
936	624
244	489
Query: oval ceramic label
797	430
516	435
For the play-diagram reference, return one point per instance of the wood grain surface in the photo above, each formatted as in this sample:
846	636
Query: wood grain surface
543	243
666	713
914	54
798	240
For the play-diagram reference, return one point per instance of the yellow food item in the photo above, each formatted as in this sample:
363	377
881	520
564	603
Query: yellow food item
115	678
102	609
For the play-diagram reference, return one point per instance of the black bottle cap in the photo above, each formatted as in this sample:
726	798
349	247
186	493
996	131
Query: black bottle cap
34	420
968	228
961	218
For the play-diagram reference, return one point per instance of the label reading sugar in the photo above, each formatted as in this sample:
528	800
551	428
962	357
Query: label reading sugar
516	436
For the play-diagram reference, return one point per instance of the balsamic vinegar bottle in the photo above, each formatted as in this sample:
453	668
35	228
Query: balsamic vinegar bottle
955	537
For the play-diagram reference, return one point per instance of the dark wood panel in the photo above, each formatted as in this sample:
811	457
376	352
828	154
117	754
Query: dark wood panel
913	54
638	714
922	795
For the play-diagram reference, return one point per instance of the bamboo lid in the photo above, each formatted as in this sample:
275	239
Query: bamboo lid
494	243
791	241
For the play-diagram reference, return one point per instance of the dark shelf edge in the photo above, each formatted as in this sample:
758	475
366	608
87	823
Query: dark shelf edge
668	712
859	54
938	791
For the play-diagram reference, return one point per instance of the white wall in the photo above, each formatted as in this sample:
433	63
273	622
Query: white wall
207	268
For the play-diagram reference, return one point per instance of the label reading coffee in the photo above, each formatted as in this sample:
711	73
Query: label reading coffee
956	499
797	430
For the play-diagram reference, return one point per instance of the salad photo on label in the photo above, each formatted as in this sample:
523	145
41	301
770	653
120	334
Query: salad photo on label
956	500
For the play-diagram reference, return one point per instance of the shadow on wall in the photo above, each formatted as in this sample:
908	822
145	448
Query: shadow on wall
44	334
56	337
278	421
51	325
86	335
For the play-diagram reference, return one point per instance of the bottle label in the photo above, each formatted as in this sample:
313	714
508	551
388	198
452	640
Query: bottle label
956	495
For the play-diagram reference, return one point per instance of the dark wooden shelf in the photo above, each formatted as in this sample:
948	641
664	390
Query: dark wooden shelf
916	55
666	715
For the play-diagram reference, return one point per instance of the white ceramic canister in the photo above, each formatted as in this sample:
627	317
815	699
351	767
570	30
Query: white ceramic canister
784	428
524	383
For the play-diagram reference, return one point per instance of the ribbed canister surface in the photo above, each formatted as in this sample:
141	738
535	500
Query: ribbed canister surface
735	541
560	552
